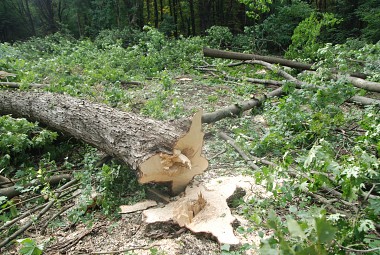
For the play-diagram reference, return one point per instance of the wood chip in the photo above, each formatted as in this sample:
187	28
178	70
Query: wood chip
137	207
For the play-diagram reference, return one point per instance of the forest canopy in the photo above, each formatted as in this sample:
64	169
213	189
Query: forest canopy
270	22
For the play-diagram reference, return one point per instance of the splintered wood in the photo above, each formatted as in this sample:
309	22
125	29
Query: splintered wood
186	211
182	164
204	208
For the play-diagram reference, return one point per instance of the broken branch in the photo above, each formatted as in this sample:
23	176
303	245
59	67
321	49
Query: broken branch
231	142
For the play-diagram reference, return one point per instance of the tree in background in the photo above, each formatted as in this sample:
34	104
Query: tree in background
267	23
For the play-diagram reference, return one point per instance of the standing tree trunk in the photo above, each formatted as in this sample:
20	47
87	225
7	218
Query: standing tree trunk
192	17
45	7
161	10
158	151
148	10
155	13
29	15
175	18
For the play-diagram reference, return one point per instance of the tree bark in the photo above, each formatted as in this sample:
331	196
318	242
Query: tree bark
158	151
242	56
273	60
13	191
363	84
192	17
155	13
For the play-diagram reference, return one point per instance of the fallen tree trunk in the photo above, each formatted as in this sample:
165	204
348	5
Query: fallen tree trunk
158	151
207	52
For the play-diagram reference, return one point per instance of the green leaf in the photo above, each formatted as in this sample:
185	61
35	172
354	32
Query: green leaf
30	247
312	155
225	247
295	229
366	225
375	205
325	231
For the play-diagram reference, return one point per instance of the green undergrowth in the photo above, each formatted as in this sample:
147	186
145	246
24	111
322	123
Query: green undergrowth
321	145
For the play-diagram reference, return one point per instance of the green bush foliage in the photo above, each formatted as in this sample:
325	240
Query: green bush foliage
305	39
277	29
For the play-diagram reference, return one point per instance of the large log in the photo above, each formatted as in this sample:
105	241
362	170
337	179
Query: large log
158	151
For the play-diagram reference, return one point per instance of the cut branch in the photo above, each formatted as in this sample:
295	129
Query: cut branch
207	52
363	84
231	142
13	191
40	214
16	85
158	151
293	173
237	109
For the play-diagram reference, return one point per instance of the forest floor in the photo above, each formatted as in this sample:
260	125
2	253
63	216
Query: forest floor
129	234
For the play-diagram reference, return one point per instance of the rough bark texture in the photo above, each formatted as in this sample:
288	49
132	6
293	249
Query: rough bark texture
363	84
237	109
242	56
13	191
207	52
129	137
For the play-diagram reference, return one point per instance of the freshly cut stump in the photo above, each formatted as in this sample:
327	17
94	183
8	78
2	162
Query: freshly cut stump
204	208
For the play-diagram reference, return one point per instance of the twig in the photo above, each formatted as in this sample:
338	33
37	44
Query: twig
42	212
64	246
217	154
356	250
231	142
63	209
370	191
22	216
142	247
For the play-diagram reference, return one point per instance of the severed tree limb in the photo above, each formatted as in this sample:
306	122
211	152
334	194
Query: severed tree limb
22	216
158	151
39	215
207	52
363	84
236	109
231	142
17	85
300	84
356	81
12	191
293	173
